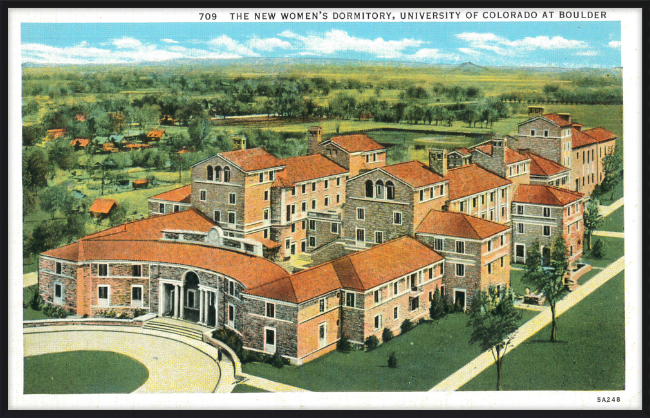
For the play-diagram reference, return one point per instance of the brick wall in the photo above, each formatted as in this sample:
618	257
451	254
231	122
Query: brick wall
550	147
359	163
323	233
47	277
284	323
480	204
154	207
352	320
310	319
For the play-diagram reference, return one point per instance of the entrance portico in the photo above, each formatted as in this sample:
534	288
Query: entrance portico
189	300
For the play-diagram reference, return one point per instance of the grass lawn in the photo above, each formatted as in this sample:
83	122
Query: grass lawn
83	372
594	326
614	222
614	249
29	313
426	355
242	388
618	193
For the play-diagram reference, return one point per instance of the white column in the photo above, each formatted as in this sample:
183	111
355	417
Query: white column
161	295
206	305
216	311
176	297
182	291
201	306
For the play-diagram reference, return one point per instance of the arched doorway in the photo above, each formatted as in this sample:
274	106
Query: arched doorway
191	297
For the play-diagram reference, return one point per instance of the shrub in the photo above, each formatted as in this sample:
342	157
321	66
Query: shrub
55	311
36	303
387	335
598	249
372	342
124	315
438	306
85	315
110	314
344	344
139	312
406	326
231	339
277	361
458	307
392	360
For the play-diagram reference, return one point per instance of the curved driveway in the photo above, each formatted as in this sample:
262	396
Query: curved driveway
175	365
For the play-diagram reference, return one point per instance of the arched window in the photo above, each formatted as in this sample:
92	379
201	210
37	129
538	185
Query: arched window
390	190
369	188
226	174
379	189
209	173
217	173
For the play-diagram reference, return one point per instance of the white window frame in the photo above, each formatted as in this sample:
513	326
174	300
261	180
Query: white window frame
232	198
268	348
442	244
234	217
544	234
401	219
464	299
58	300
356	232
322	305
312	241
99	269
322	342
104	302
334	228
381	234
161	208
266	309
229	321
396	311
141	270
460	275
362	212
141	302
203	195
377	322
549	212
458	241
215	216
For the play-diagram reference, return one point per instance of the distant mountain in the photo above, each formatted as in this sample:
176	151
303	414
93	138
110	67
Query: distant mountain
470	68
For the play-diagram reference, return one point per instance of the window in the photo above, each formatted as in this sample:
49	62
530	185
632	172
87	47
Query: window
379	237
103	295
422	196
502	261
503	240
390	191
532	132
489	245
136	296
503	193
232	217
492	195
327	201
338	181
217	173
232	198
503	211
460	247
177	208
287	243
415	304
369	188
437	244
379	189
161	208
293	227
397	218
271	175
136	270
266	195
377	296
313	187
474	202
482	199
430	273
396	313
460	270
58	293
231	288
231	316
303	225
226	174
338	198
57	267
322	305
547	231
547	212
261	177
520	228
378	322
462	206
349	299
489	268
395	288
103	270
335	228
361	214
442	269
312	225
270	310
266	233
327	184
209	174
203	196
217	216
304	188
313	204
266	214
520	209
361	235
312	241
269	337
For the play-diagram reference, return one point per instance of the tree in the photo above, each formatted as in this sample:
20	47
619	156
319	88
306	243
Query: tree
63	155
57	198
437	309
32	134
46	236
30	202
118	215
35	170
75	226
612	165
494	320
198	130
548	280
592	220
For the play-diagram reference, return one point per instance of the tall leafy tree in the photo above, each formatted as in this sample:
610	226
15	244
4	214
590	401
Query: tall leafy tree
494	320
548	280
612	165
57	198
35	170
592	220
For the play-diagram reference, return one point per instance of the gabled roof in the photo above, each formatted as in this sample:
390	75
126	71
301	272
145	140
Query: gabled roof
461	151
580	138
181	195
557	119
414	173
155	133
540	166
472	179
252	159
82	142
356	143
461	225
510	156
545	195
600	134
103	205
304	168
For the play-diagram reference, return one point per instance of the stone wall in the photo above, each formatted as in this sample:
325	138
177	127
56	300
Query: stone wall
284	323
47	277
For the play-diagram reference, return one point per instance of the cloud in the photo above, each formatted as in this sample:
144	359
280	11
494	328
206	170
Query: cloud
430	55
127	42
614	44
504	46
469	51
340	41
169	41
587	53
268	44
228	44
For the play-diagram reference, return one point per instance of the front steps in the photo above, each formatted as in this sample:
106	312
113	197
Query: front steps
177	326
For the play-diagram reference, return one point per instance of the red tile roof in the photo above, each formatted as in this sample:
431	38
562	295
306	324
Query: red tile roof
308	167
461	225
414	173
540	166
600	134
580	139
357	143
155	134
251	271
545	195
140	181
472	179
511	156
181	195
557	119
82	142
103	205
252	159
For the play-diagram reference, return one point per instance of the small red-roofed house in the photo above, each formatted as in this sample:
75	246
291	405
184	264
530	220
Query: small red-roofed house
102	208
544	213
174	200
139	183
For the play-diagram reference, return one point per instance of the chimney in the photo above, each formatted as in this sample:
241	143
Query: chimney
315	137
499	155
577	126
565	116
438	161
535	111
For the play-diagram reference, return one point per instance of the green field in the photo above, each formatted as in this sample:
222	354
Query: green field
81	372
614	249
614	222
592	328
29	313
425	356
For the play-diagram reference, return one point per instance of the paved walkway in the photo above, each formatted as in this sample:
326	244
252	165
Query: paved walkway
30	279
176	364
269	385
485	360
609	234
606	210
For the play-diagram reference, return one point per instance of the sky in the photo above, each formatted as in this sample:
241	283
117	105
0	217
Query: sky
540	44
